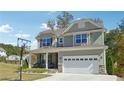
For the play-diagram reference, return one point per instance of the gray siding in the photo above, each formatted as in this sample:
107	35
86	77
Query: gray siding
47	35
68	41
73	28
97	38
87	26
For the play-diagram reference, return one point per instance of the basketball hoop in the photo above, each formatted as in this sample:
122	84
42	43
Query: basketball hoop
23	44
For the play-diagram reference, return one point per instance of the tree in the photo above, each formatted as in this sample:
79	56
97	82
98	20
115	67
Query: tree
10	49
111	40
115	52
121	26
51	24
64	19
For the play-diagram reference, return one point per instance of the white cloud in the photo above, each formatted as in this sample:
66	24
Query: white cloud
6	28
77	18
44	26
25	36
34	45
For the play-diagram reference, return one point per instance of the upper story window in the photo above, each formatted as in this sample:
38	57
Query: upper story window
84	38
47	41
61	40
81	38
78	38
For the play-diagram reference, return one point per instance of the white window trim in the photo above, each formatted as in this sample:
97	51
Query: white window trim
81	38
45	42
75	38
59	40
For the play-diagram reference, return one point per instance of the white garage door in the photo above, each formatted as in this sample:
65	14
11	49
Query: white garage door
81	64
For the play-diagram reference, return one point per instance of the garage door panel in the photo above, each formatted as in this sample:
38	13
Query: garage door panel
78	70
80	64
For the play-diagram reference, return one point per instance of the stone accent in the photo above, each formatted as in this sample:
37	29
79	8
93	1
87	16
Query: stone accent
102	69
52	70
60	68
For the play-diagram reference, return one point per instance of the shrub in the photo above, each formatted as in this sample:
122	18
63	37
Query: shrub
109	65
25	64
35	70
2	59
119	71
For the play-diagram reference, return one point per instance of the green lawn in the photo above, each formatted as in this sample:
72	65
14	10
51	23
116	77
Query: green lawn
9	72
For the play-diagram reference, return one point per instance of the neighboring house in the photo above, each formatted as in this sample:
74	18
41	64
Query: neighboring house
80	48
17	58
2	52
13	58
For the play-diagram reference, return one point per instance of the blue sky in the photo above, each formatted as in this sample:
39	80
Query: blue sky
29	24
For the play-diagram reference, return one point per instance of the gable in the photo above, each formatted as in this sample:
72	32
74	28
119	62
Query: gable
83	25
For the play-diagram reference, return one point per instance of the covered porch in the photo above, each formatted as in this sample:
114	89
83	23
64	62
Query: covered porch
45	60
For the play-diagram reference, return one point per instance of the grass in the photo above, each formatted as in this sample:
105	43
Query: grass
35	70
9	72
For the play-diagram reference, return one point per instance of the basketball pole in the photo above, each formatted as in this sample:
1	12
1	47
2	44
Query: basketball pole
22	46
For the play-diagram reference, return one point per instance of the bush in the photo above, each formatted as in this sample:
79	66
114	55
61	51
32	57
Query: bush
35	70
119	71
2	59
25	64
109	65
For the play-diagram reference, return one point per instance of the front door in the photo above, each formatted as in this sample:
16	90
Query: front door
53	60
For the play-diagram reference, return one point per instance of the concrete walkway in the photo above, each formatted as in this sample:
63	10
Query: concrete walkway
79	77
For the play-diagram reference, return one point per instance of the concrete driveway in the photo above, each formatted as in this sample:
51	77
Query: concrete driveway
79	77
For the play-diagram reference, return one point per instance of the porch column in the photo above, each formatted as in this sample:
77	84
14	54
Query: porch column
47	60
29	64
88	38
104	53
73	39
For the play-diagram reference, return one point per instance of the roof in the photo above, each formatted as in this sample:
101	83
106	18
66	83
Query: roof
97	22
60	49
1	49
55	32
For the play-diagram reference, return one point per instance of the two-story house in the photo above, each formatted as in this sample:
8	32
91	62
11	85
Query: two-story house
77	49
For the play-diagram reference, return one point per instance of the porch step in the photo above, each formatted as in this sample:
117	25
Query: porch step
52	70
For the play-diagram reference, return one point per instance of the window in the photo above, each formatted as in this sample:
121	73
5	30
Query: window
86	58
61	40
78	38
65	59
81	38
95	58
81	59
77	59
90	59
84	38
69	59
47	41
73	59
